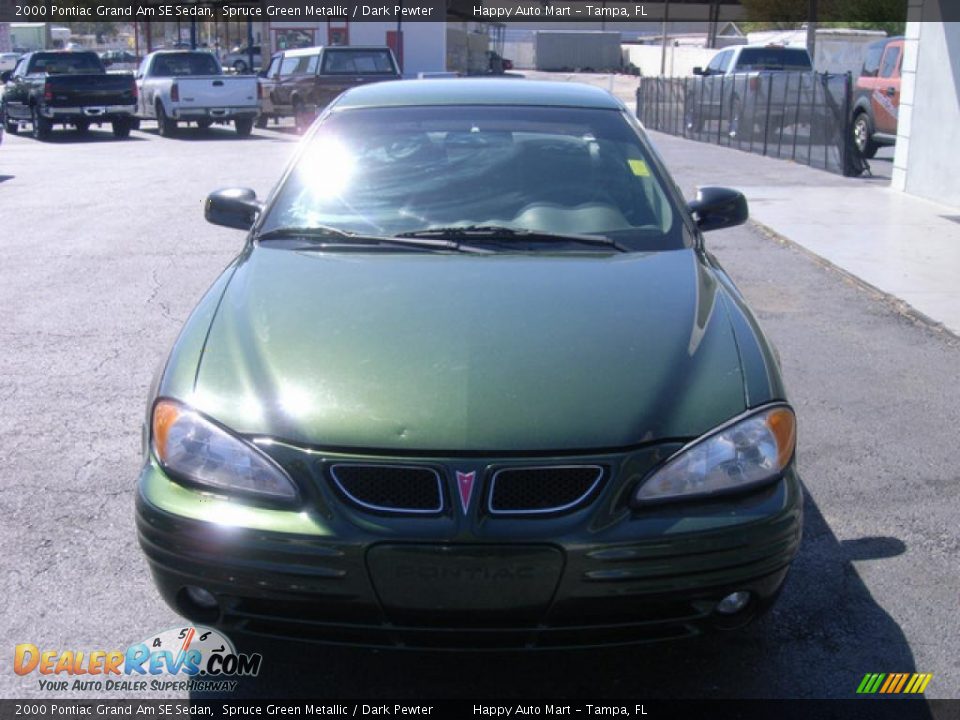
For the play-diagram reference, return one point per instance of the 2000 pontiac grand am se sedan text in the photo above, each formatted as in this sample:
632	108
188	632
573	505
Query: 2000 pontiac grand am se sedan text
474	381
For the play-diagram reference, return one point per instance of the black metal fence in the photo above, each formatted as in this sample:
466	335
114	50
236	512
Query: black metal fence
801	116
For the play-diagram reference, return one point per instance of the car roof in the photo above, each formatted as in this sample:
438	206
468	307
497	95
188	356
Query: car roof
769	46
477	91
299	52
181	51
83	51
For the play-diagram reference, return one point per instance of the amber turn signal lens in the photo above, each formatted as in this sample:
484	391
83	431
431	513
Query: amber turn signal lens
783	425
165	414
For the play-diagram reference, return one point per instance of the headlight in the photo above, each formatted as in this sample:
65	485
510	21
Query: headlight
195	449
736	456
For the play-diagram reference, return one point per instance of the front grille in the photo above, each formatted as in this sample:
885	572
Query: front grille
536	490
390	488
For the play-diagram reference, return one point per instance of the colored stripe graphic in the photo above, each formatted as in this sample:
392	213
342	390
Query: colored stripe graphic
862	688
918	683
894	683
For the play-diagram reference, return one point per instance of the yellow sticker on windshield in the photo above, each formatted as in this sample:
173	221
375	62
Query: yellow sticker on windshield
639	167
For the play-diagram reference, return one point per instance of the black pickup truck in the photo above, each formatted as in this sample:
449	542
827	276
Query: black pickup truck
69	88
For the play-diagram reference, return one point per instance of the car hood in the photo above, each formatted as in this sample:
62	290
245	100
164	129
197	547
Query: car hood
465	353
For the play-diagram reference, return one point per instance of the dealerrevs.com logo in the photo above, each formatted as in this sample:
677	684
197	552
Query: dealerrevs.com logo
192	658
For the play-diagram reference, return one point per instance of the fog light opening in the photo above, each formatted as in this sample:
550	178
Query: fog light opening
734	603
198	604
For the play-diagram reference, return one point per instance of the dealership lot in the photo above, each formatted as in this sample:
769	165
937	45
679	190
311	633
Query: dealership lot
105	252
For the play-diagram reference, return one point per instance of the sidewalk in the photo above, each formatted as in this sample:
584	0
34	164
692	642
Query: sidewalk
902	245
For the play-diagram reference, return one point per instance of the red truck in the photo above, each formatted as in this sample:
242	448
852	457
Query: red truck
299	83
876	103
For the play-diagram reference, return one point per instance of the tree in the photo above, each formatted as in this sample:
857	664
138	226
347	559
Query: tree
782	14
887	15
92	28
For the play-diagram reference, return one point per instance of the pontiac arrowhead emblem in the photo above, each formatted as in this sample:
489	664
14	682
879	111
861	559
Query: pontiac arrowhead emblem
465	486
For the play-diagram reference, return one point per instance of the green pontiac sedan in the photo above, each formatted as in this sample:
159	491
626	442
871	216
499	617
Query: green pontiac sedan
474	381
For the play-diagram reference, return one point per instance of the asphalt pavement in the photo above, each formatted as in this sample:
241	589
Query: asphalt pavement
105	252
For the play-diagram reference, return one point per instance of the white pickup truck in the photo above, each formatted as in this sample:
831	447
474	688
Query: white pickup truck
189	86
745	83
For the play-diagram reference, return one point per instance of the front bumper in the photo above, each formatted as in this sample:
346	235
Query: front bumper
579	584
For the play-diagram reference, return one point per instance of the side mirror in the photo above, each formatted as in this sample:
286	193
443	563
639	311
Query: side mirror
716	208
6	75
698	71
233	208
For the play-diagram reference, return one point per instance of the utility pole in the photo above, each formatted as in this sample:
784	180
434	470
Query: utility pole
714	24
400	39
812	28
48	28
663	47
250	45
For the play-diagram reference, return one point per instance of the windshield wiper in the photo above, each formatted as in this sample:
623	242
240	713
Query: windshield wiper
329	232
499	232
311	231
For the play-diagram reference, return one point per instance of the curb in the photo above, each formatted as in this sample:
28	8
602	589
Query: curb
901	307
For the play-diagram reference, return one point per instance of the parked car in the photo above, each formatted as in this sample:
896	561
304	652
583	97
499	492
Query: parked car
8	61
876	103
119	60
474	380
189	86
239	59
299	83
734	87
498	64
68	88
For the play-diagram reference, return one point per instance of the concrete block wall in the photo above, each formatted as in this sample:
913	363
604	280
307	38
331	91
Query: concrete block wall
928	125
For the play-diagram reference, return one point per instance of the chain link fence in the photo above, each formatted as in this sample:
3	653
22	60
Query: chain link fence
801	116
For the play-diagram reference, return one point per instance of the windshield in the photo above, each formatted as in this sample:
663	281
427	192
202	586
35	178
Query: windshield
65	63
542	169
188	63
350	62
773	59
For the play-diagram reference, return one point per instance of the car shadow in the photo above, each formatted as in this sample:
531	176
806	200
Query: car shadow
94	135
283	130
213	133
825	633
4	178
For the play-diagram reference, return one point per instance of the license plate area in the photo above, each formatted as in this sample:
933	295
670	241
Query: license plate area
465	585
